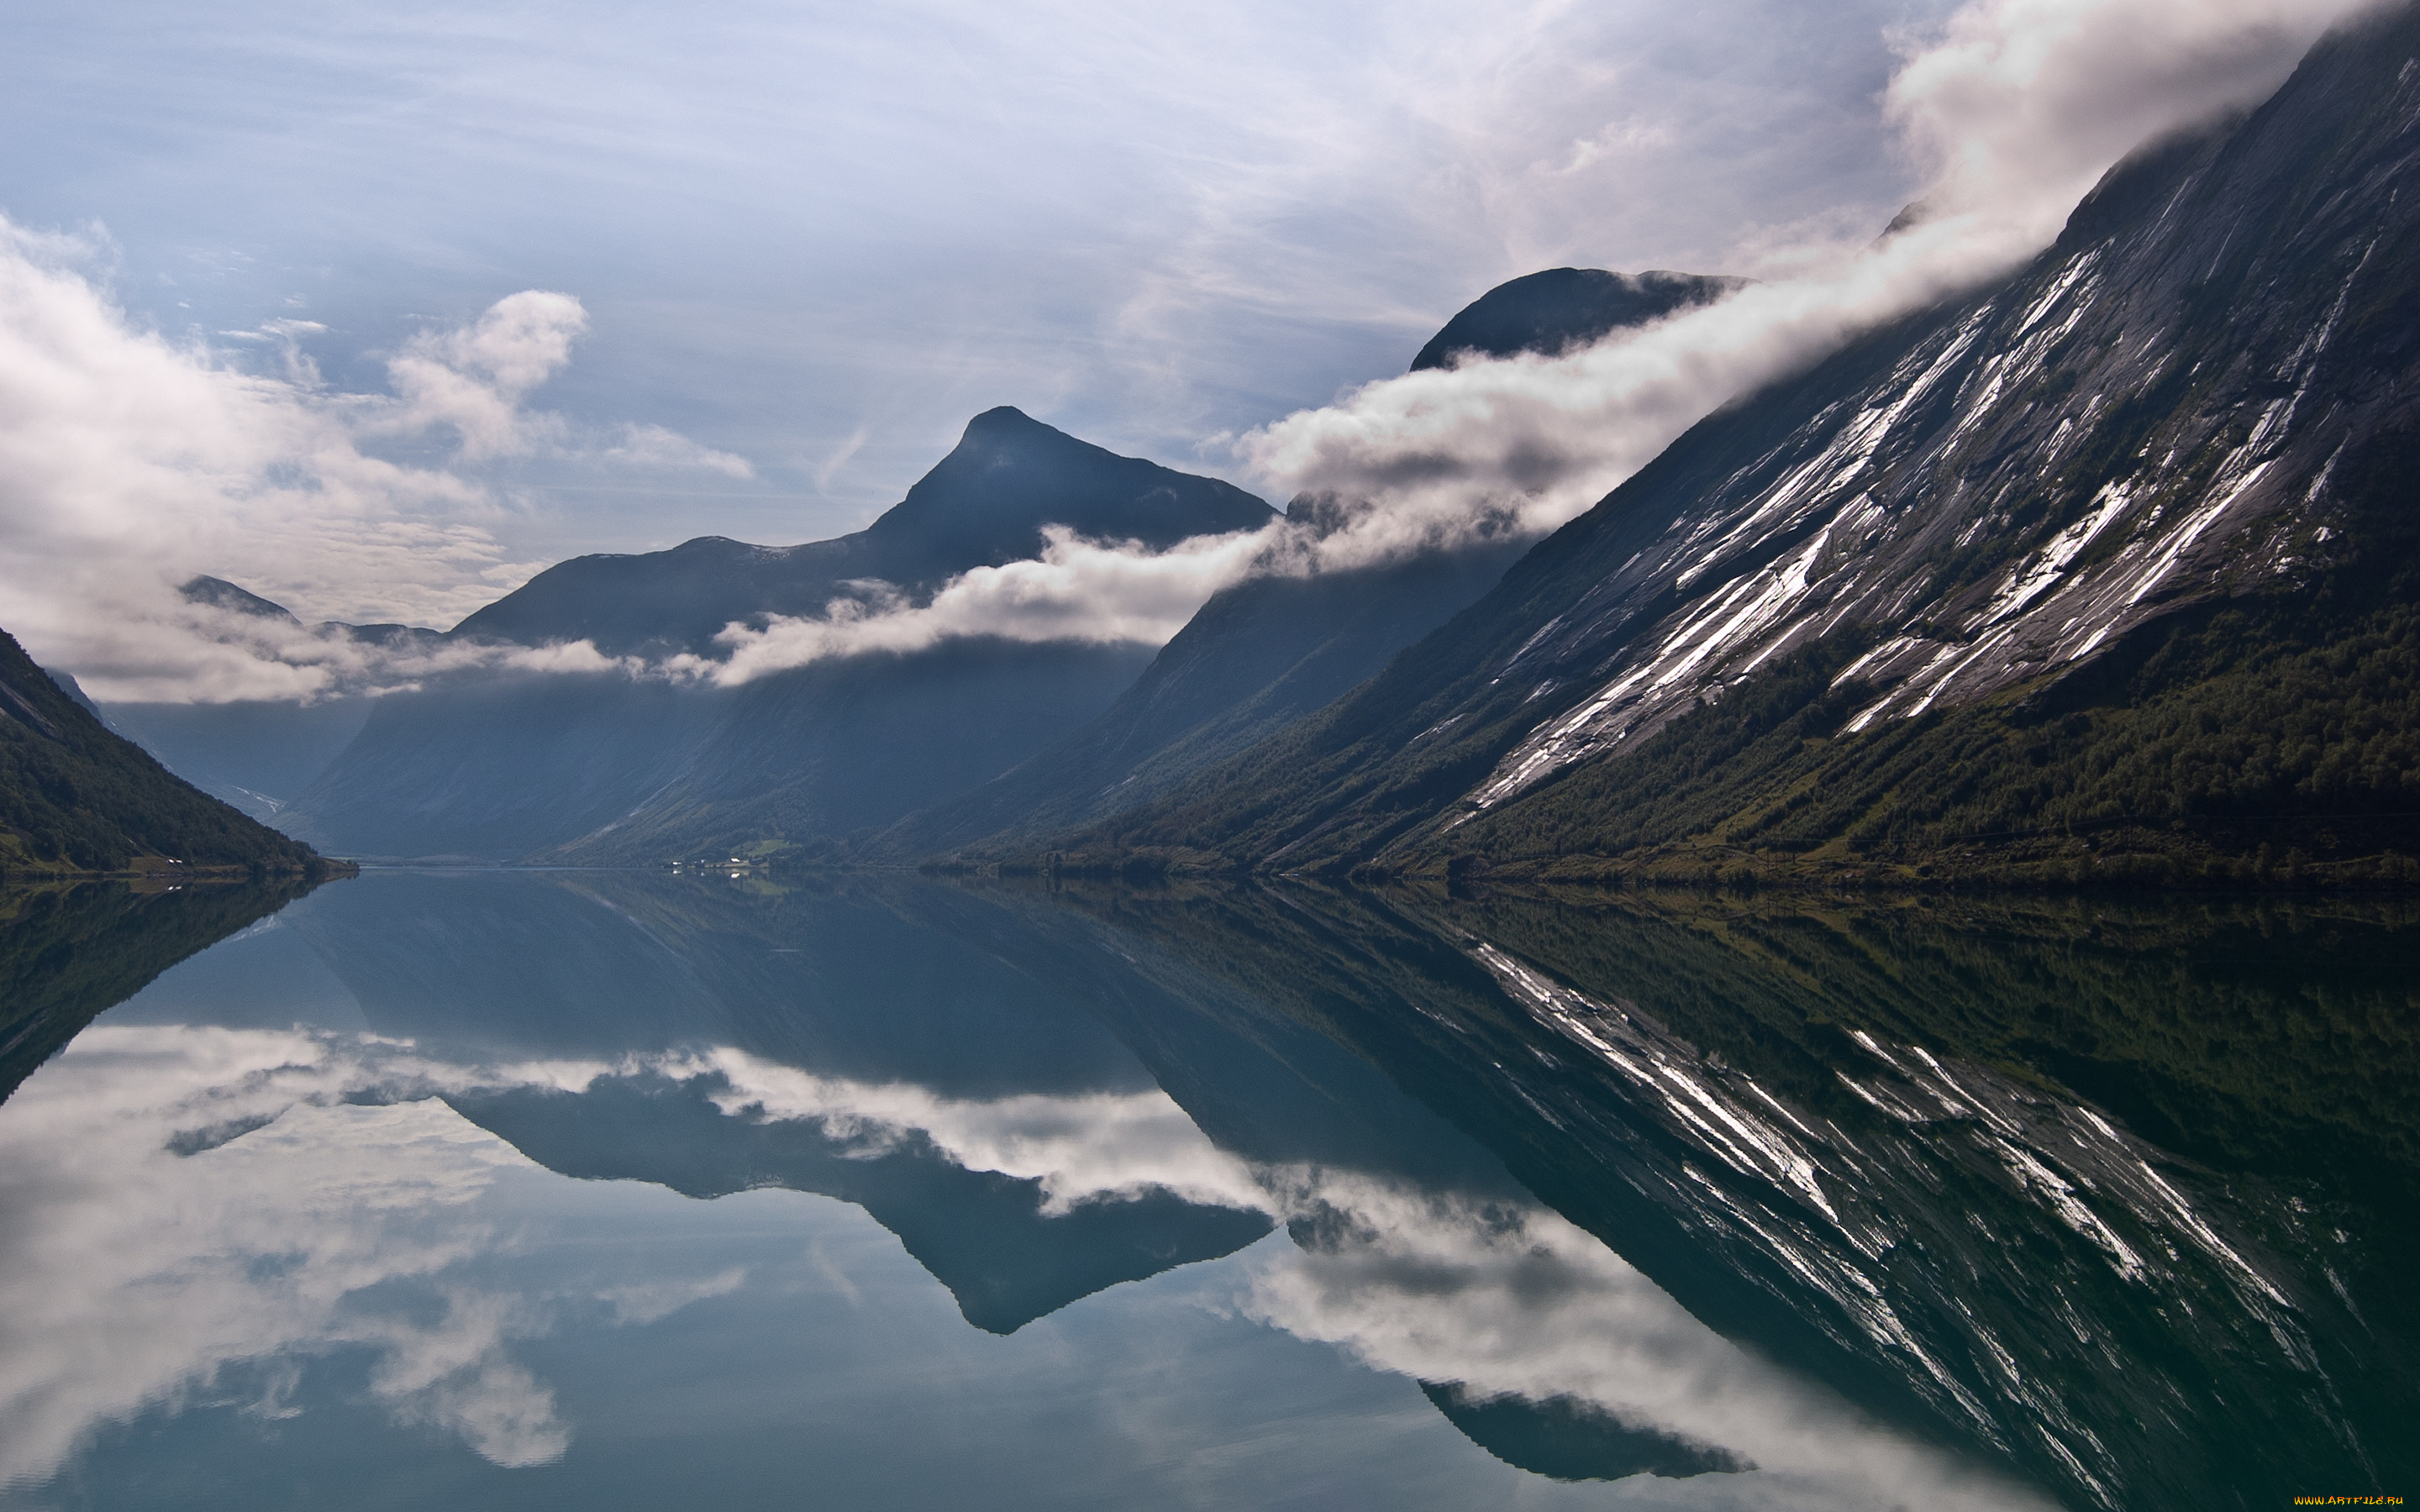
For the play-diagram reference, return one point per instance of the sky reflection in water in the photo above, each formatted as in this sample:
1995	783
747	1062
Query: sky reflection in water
264	1233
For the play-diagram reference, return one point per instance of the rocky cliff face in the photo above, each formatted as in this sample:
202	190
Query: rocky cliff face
2203	392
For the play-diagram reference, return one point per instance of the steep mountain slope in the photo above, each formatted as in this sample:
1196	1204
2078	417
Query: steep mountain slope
76	797
607	767
1269	651
1561	308
1254	660
2200	399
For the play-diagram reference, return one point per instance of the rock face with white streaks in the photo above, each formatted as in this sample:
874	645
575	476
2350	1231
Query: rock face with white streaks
2147	415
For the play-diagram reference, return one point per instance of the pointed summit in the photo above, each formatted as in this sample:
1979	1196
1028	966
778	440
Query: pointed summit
1010	475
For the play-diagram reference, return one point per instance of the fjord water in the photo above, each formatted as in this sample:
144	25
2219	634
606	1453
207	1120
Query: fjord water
628	1189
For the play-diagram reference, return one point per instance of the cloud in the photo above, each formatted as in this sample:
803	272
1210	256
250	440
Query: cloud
653	446
838	458
1077	589
473	377
130	462
2014	107
1617	139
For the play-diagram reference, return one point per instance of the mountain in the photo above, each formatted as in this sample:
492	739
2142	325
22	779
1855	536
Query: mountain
2106	572
981	505
1552	312
1269	651
254	754
1254	660
608	767
75	797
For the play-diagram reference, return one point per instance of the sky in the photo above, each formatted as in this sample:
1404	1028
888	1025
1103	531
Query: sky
377	309
823	238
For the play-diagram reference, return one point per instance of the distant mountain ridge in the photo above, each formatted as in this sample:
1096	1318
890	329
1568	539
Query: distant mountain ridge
1840	621
981	505
499	767
593	770
608	768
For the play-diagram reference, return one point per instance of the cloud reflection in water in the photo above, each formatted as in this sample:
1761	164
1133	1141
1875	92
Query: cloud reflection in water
328	1200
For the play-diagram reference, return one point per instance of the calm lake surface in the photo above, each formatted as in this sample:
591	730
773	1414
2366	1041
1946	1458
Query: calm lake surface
621	1189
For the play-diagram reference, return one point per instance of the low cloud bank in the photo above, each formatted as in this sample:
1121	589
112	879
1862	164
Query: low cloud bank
1077	589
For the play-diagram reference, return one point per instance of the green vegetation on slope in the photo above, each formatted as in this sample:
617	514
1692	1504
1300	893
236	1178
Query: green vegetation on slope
2271	738
75	797
2239	750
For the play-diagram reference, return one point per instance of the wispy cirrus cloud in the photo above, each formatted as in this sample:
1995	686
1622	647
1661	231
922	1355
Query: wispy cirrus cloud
655	447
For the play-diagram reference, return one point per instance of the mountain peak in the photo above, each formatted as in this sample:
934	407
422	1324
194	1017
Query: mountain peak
983	504
220	593
1011	474
1006	419
1550	312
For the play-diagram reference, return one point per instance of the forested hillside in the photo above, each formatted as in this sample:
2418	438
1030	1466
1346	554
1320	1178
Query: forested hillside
75	797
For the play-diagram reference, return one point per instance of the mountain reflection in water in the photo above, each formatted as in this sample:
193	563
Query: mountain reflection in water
1702	1202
